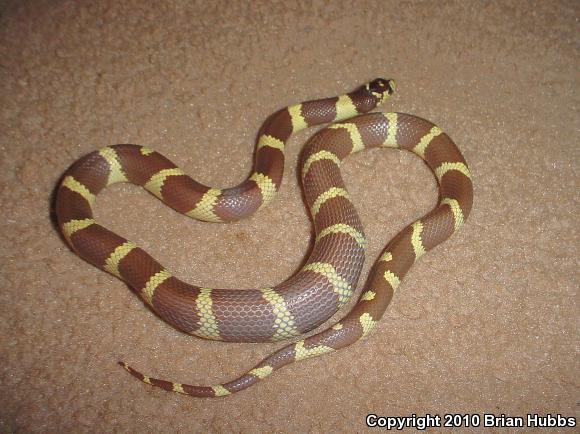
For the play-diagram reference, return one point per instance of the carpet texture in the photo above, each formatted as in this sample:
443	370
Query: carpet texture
487	322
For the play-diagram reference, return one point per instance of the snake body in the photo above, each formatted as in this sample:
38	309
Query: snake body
330	275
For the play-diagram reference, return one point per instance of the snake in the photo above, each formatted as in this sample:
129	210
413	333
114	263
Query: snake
328	278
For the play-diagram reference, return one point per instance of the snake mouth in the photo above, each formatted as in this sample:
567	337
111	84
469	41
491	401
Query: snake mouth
381	88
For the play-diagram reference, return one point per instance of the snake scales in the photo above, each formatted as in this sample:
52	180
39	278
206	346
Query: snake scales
330	275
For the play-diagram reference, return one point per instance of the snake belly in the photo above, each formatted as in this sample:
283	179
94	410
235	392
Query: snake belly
328	278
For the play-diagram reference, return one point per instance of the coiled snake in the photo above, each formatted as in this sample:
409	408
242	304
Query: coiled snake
330	275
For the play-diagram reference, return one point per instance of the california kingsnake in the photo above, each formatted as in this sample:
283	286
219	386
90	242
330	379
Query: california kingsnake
330	275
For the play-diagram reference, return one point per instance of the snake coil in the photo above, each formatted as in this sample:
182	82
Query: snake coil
330	275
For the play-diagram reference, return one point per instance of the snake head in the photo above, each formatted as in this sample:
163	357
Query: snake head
381	89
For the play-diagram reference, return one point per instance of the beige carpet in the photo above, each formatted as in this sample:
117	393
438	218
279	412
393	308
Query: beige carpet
487	322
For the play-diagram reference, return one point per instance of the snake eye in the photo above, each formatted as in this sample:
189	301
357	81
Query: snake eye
381	85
